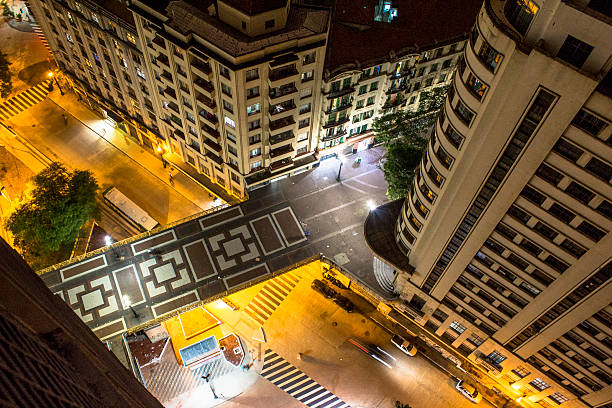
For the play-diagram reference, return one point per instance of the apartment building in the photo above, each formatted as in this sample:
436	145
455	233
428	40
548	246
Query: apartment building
502	248
231	87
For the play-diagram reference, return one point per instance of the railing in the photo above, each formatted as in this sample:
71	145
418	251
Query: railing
281	150
123	242
280	123
277	94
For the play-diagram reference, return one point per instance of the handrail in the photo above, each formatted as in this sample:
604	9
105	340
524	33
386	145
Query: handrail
130	239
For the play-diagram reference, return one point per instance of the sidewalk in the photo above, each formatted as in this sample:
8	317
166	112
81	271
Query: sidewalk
184	184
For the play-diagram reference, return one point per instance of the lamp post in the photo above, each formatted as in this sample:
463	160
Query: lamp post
109	242
341	158
128	303
50	75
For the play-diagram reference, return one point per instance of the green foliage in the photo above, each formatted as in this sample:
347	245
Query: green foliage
49	223
403	134
401	405
6	86
402	160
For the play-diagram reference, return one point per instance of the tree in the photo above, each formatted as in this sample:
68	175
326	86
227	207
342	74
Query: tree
62	202
403	134
6	86
401	405
402	160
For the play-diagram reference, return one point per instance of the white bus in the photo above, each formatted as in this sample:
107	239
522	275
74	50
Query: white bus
126	207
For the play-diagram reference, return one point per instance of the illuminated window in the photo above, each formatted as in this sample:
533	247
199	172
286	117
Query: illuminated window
131	38
476	86
94	17
520	13
539	384
229	122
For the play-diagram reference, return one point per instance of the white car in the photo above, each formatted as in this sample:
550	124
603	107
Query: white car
469	392
404	345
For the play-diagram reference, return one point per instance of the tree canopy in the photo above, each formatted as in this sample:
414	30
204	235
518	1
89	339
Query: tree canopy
6	86
403	134
62	202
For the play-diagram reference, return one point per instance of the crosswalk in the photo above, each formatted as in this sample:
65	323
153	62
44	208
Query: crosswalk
39	33
270	296
279	372
24	100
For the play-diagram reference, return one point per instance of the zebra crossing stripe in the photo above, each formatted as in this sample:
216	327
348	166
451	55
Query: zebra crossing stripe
270	297
24	100
294	382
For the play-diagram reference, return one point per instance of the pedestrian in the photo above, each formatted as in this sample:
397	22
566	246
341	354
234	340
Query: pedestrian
164	162
299	356
170	177
65	119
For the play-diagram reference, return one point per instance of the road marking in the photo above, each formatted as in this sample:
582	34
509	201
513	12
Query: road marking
24	100
353	188
333	234
328	211
367	184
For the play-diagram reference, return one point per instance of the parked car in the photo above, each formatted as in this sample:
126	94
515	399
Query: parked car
404	345
323	289
334	280
469	392
344	303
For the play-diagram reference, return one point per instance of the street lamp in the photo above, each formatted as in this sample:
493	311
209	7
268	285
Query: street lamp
341	158
128	303
50	75
109	242
371	205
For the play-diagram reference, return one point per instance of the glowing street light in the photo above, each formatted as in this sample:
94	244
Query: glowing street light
371	205
50	75
128	303
109	242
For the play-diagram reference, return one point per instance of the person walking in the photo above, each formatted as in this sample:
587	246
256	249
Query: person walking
171	178
65	119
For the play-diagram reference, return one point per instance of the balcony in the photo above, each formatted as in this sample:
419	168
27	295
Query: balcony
209	117
214	158
162	59
170	92
206	101
336	94
281	108
336	123
339	108
408	72
282	91
281	152
179	133
211	131
282	73
282	123
204	86
334	136
158	44
175	108
396	89
281	164
214	146
282	137
201	68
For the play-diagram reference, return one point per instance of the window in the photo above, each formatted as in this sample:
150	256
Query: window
308	58
428	82
252	74
568	150
475	86
232	150
252	92
555	263
224	71
434	67
304	123
360	104
307	76
605	208
591	231
346	83
370	100
574	52
255	152
305	108
561	213
558	398
579	193
545	230
520	13
521	372
228	106
269	24
533	195
599	168
226	90
229	122
539	384
549	174
373	86
363	89
252	109
254	124
302	136
458	327
254	139
305	93
255	165
94	17
464	113
230	136
496	357
589	123
421	72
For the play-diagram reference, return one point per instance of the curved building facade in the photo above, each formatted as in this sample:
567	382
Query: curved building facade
507	226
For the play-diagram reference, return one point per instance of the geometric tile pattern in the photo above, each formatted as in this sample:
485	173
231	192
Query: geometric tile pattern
285	376
164	274
261	307
232	247
264	227
92	299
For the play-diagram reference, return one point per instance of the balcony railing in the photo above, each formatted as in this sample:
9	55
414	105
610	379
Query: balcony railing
201	66
341	92
213	132
288	135
206	101
281	73
209	117
214	158
204	84
281	150
335	123
339	108
215	146
277	93
281	164
163	59
276	109
170	92
280	123
159	41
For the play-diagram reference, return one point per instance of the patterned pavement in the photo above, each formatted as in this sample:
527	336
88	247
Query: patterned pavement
281	373
23	100
178	266
261	307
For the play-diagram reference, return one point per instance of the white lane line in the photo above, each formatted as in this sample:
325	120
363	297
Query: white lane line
353	188
330	210
333	234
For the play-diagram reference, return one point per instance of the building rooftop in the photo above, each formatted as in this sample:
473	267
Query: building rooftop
119	9
186	18
356	40
253	7
379	234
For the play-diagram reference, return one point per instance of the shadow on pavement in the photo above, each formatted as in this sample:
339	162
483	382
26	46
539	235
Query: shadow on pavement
34	73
